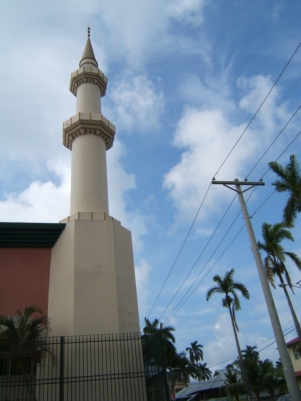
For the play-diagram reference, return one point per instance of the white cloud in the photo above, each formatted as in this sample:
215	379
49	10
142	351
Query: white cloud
137	103
133	27
207	137
41	201
120	183
49	201
142	271
207	134
272	112
186	11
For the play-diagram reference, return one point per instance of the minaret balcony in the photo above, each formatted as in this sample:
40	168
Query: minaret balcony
88	74
88	123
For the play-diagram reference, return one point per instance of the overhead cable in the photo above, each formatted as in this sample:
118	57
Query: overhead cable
257	111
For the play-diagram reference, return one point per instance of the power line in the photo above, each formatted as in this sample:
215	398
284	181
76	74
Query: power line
255	114
264	100
177	257
193	266
274	141
292	141
180	303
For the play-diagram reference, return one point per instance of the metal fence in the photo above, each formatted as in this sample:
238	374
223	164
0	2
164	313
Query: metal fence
85	368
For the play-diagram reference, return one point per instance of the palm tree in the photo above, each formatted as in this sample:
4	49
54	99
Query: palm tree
195	352
233	385
274	382
228	287
250	353
19	342
274	264
204	373
289	181
21	331
179	369
257	370
154	328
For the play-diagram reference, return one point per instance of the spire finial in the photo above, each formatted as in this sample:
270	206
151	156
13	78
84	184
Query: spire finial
88	31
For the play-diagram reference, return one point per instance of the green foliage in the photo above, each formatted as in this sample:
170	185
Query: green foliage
22	330
233	386
203	373
228	287
289	181
179	366
263	375
273	235
151	329
195	352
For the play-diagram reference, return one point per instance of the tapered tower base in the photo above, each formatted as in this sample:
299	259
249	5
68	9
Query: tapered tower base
92	279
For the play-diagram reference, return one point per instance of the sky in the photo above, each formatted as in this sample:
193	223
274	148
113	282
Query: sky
185	79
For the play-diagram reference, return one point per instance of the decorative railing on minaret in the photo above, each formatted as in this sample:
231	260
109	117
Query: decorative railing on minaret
88	135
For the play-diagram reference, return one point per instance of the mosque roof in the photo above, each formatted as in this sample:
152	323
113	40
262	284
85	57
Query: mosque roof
30	234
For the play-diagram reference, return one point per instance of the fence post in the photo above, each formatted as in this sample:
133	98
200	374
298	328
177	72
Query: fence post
62	344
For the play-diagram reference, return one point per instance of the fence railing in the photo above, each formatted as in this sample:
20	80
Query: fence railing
85	368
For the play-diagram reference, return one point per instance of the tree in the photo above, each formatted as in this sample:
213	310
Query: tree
274	382
179	369
274	264
289	181
250	353
151	329
203	373
256	370
233	386
19	342
195	352
21	331
228	287
178	365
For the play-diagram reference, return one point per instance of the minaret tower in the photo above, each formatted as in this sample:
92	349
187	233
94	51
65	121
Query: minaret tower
88	134
92	280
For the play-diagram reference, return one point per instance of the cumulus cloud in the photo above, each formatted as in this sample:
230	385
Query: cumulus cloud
137	103
41	201
207	134
49	201
207	137
187	11
120	184
143	23
272	113
142	271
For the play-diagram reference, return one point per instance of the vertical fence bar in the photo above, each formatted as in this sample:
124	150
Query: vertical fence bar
62	343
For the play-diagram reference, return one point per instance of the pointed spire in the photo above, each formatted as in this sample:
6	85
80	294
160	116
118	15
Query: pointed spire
88	54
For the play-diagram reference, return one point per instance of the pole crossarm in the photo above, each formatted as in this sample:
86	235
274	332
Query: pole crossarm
227	184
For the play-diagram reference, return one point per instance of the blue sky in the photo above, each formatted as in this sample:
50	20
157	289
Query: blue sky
185	78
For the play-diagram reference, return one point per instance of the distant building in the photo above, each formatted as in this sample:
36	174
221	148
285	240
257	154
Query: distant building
292	347
205	390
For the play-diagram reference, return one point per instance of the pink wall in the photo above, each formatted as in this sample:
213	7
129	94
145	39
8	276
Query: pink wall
24	279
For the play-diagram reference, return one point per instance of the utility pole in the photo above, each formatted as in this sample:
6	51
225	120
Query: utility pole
284	356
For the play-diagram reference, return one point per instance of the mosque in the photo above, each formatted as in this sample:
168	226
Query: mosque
79	271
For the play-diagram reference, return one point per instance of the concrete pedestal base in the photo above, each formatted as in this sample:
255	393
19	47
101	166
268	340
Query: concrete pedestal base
92	280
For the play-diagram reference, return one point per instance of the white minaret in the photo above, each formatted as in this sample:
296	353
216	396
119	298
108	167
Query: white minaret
88	134
92	286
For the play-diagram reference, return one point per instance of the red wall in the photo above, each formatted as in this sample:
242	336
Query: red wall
24	279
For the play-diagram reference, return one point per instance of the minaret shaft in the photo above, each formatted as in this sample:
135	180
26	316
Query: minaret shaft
89	191
89	188
88	99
